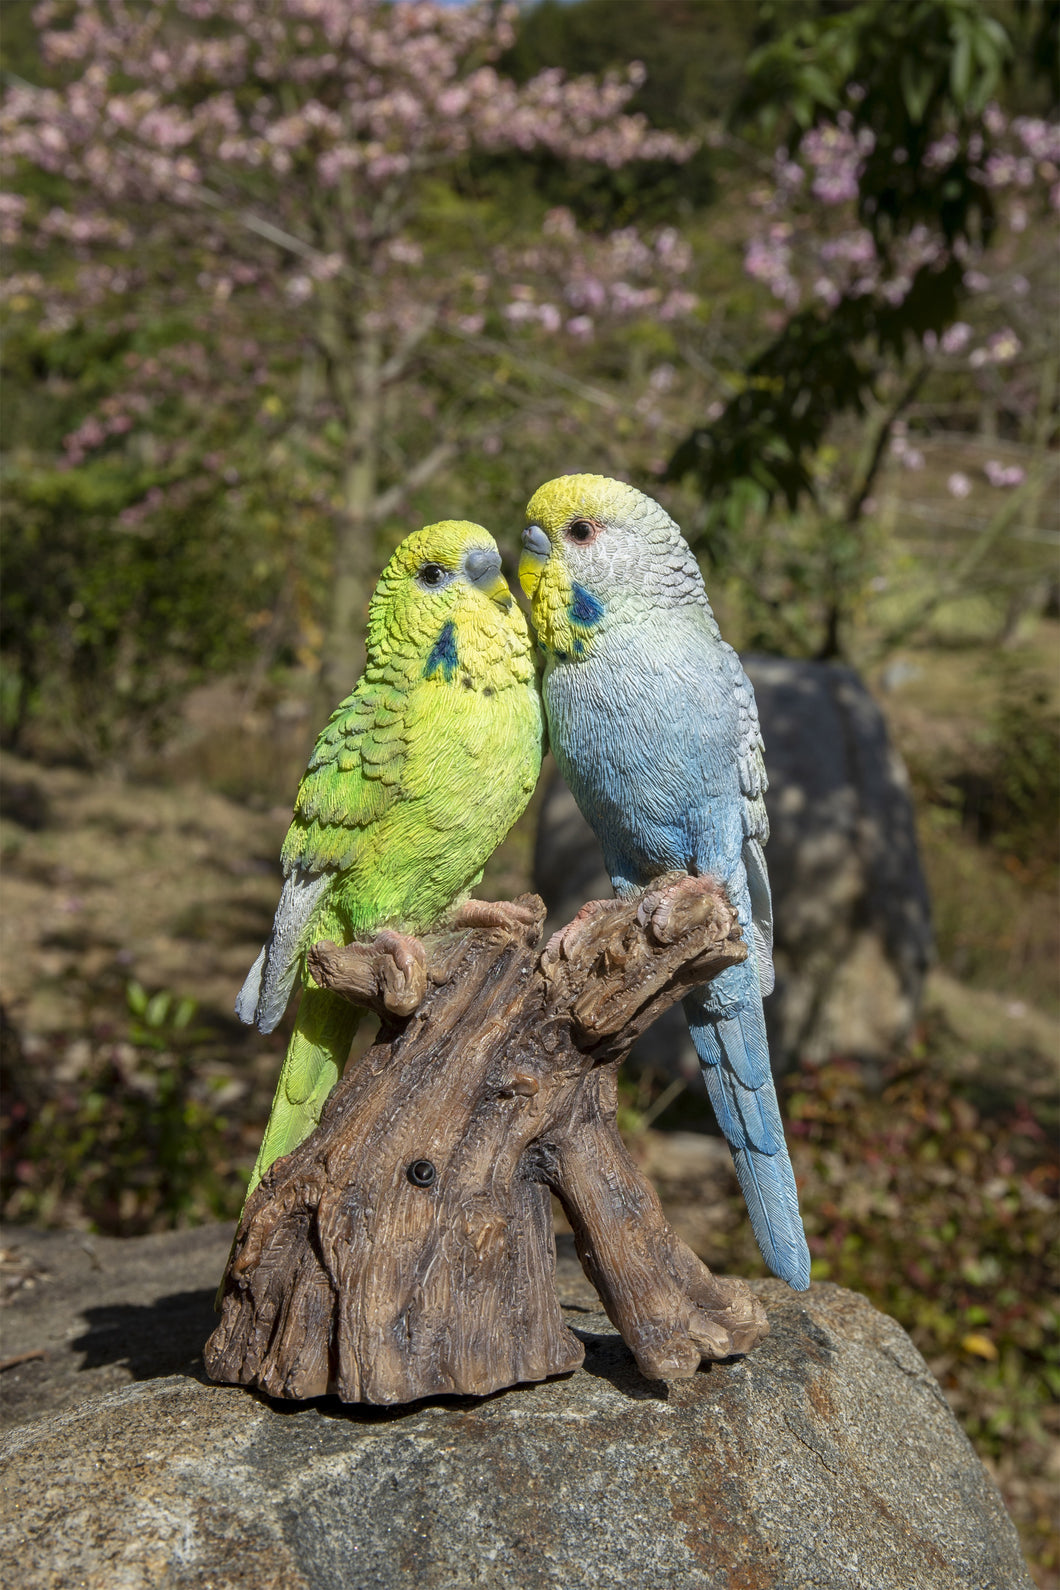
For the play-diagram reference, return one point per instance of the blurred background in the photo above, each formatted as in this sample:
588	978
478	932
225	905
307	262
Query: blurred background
283	282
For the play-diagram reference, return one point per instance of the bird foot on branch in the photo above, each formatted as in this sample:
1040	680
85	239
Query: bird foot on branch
565	941
388	974
403	975
515	915
676	906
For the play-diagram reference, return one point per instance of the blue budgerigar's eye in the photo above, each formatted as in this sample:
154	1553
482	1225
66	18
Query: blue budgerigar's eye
582	530
432	575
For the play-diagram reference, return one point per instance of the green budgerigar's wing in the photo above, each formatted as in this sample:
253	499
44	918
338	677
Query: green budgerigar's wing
353	777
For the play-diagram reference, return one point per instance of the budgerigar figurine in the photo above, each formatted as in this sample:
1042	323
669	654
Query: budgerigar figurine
415	781
654	726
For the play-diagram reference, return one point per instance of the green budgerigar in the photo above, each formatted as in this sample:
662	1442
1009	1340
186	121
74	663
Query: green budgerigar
414	782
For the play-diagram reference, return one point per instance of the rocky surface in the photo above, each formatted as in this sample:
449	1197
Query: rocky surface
97	1312
853	928
827	1459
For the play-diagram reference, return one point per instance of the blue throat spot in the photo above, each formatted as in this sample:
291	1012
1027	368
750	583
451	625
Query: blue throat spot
579	647
443	655
584	607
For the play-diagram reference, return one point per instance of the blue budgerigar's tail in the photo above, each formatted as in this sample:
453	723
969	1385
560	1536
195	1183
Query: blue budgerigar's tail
734	1054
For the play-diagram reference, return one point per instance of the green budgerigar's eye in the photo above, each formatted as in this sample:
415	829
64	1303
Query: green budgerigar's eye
431	574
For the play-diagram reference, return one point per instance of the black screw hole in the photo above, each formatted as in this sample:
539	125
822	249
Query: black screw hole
421	1173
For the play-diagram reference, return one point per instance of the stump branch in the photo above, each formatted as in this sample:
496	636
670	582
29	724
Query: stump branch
405	1249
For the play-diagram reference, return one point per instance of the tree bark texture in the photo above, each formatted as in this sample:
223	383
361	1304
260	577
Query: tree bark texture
406	1249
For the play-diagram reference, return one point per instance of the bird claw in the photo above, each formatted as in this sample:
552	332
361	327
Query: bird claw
565	940
403	977
510	914
659	908
405	951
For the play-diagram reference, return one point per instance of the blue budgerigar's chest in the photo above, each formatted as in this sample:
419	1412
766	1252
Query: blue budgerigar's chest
645	733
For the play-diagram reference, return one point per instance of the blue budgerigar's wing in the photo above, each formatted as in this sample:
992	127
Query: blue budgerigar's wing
727	1021
750	761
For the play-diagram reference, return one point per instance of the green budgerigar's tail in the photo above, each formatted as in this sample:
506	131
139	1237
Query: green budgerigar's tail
316	1054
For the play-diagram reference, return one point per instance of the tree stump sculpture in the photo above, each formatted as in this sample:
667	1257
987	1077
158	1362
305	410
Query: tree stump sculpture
405	1249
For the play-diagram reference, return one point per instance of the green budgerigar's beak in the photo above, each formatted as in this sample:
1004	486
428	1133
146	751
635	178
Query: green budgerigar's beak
482	569
537	549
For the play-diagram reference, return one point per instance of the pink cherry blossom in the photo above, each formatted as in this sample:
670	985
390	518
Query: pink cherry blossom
1005	475
264	171
956	337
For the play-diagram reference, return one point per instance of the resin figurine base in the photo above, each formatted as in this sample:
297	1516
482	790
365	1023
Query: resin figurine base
405	1249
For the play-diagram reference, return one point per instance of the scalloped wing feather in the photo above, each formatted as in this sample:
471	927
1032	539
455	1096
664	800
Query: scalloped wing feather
751	765
353	778
761	912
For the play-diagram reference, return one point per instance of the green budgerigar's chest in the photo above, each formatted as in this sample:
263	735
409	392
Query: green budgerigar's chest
471	754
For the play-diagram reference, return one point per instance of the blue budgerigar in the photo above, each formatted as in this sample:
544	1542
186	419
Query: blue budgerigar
654	725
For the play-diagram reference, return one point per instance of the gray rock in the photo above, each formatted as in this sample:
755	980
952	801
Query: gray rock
853	924
97	1312
827	1459
101	1311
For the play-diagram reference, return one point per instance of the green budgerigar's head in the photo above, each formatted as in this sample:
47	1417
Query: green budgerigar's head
443	601
597	551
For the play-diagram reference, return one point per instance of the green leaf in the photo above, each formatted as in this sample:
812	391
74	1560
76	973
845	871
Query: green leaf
184	1012
157	1009
916	85
961	69
136	998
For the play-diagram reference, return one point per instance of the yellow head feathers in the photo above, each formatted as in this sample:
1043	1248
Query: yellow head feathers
442	597
597	553
558	503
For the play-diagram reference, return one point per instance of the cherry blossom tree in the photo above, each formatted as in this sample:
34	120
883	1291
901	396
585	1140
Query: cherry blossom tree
902	236
277	184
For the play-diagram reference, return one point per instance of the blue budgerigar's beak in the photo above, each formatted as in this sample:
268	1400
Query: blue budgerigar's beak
482	569
537	549
535	540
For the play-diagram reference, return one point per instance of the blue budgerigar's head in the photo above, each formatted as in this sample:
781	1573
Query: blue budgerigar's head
597	550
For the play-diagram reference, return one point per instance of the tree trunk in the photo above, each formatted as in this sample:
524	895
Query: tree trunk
358	389
406	1248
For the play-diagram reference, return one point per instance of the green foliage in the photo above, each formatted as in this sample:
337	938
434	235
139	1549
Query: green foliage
106	626
693	56
132	573
156	1015
995	920
1021	811
133	1138
941	1205
888	100
1038	22
948	57
822	365
1005	790
943	55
